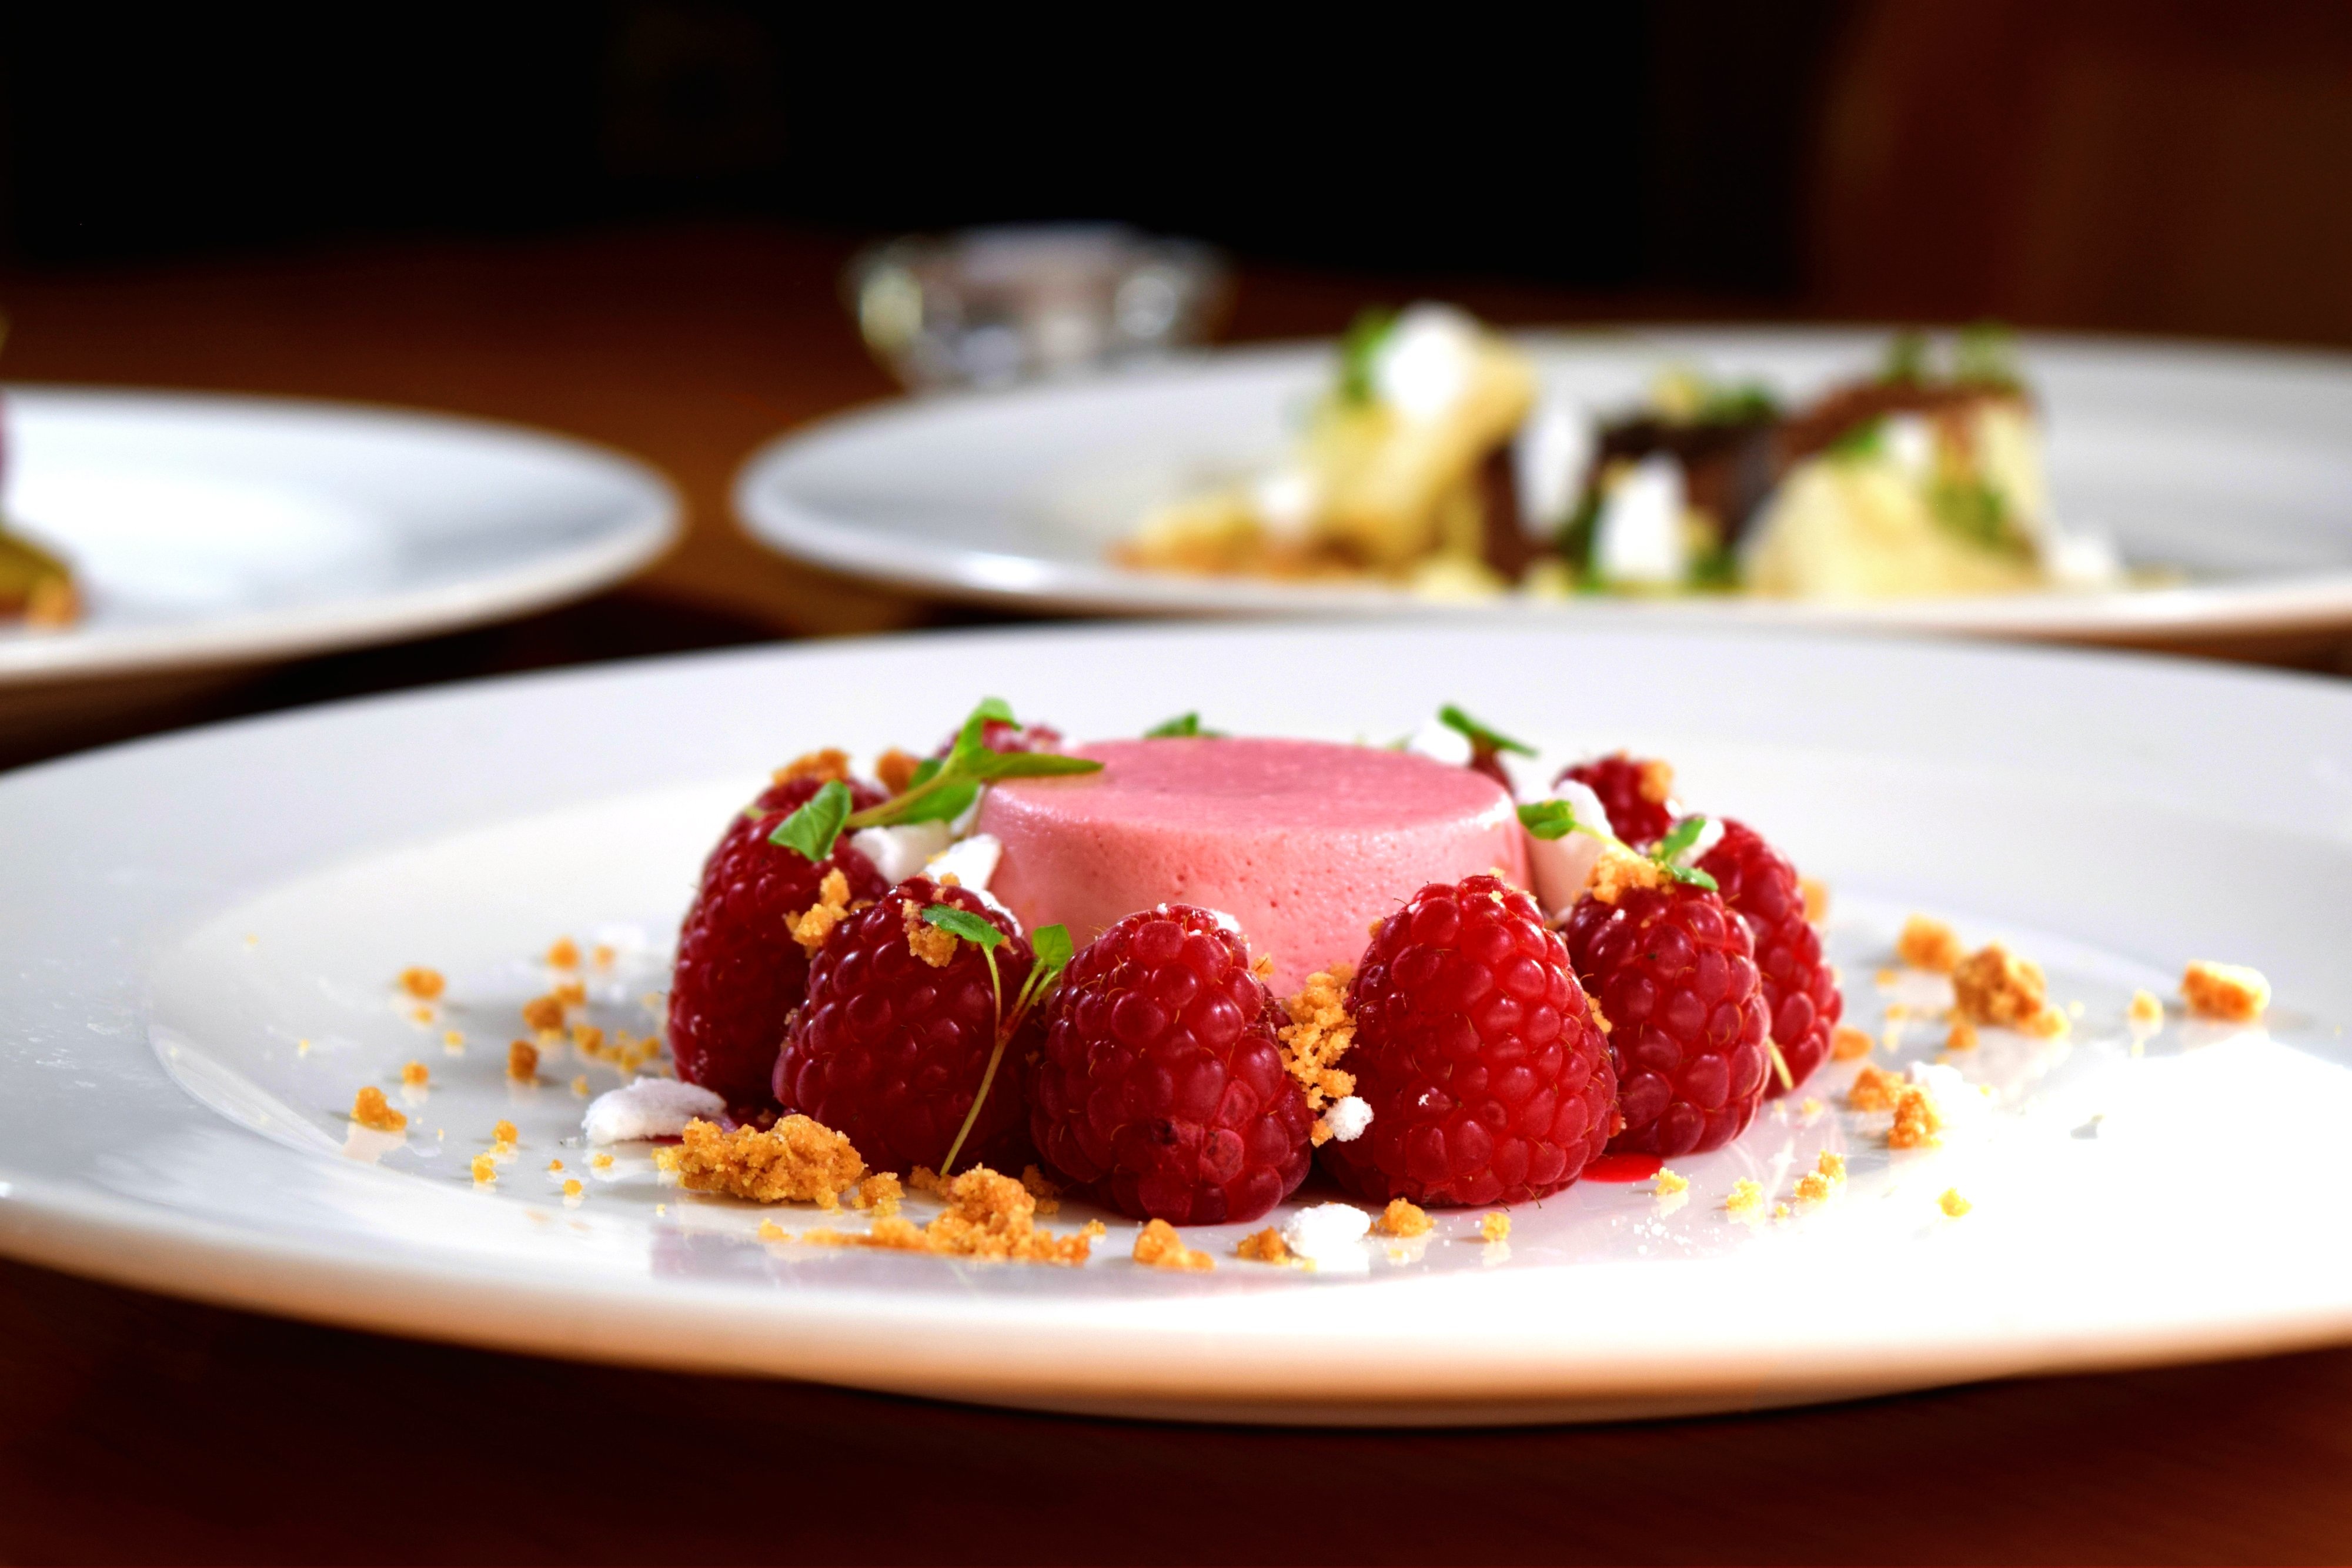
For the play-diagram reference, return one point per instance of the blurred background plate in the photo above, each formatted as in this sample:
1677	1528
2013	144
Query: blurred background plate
208	531
2232	464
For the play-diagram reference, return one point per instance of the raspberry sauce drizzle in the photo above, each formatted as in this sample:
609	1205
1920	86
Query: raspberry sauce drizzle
1624	1168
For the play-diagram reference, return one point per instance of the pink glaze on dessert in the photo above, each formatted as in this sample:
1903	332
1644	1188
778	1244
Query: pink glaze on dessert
1304	842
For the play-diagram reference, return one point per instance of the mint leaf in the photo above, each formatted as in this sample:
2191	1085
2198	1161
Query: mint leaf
813	829
942	805
1479	736
1548	819
977	929
971	740
1184	724
1053	946
1680	837
1029	765
1362	340
1692	875
1865	440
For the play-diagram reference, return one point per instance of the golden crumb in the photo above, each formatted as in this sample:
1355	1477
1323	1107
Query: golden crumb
1042	1189
1263	965
1962	1035
425	985
2145	1008
879	1192
565	954
829	764
542	1012
600	1161
990	1217
580	1086
1848	1043
369	1110
1496	1226
926	1179
1994	986
1953	1203
1831	1165
421	1013
504	1133
1809	1107
932	944
522	1061
1780	1211
1264	1246
1813	1188
415	1075
771	1231
1320	1031
603	955
1403	1219
812	925
1668	1182
485	1168
571	1187
452	1041
570	994
1657	781
1817	899
795	1161
1620	870
1874	1089
1916	1123
1156	1245
554	1165
589	1038
1886	979
2231	992
1928	943
1599	1019
896	769
1746	1198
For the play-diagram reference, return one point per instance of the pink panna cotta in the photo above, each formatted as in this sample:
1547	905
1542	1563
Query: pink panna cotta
1304	842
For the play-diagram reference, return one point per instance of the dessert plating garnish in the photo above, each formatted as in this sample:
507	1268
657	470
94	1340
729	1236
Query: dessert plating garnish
1184	726
1684	841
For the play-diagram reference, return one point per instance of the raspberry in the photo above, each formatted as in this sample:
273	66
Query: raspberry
739	973
1626	785
999	736
890	1049
1489	1080
1800	994
1675	976
1161	1087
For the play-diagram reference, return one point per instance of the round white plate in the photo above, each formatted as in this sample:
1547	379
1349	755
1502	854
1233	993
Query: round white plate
2234	464
206	529
202	933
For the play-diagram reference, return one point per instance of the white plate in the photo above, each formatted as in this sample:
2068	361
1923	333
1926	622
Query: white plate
178	915
208	530
2232	463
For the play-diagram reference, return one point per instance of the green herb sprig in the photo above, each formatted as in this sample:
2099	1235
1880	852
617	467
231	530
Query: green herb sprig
1184	726
1557	819
1051	949
1483	739
1358	347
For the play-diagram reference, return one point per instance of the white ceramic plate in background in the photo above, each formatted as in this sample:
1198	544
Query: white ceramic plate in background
201	934
208	530
2232	463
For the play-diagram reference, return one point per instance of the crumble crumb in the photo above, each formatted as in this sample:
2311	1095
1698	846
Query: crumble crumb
990	1217
554	1165
603	955
571	1187
543	1013
1953	1203
1963	1035
565	954
1403	1219
1618	870
926	1179
1831	1165
425	985
1320	1031
1264	1246
1994	986
1817	899
580	1086
2146	1008
1916	1123
504	1135
879	1192
600	1161
571	993
1657	781
2230	992
421	1014
415	1075
1874	1089
1813	1188
1928	943
1780	1211
814	924
453	1041
795	1161
1848	1043
1263	965
1156	1245
830	764
485	1168
1669	1183
1886	979
771	1231
301	1048
896	769
1599	1019
1496	1226
1809	1107
1041	1188
933	944
522	1061
589	1038
369	1110
1746	1198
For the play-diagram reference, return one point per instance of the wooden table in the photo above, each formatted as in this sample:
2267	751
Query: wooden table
135	1427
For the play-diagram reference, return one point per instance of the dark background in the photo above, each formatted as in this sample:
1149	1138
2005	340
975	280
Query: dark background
2177	167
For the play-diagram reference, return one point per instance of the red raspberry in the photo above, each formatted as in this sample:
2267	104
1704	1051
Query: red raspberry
1487	1079
1160	1086
890	1049
1800	994
998	736
1675	976
1626	785
739	973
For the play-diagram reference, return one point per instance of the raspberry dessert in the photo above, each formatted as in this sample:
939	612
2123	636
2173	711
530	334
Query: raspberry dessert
1487	1077
1675	976
1158	1087
1636	792
1302	842
1800	991
900	1029
741	972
